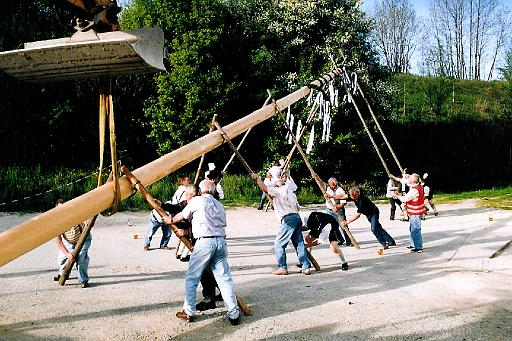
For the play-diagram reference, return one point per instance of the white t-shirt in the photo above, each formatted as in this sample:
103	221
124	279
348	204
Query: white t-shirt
179	195
339	191
284	200
208	216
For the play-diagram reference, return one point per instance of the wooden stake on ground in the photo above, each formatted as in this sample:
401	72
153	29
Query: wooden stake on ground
142	190
249	170
501	249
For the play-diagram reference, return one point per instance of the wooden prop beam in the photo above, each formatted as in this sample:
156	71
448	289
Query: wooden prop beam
225	169
249	170
317	179
78	247
201	162
151	200
28	235
501	249
377	150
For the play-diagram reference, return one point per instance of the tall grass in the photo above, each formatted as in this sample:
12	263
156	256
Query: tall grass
36	189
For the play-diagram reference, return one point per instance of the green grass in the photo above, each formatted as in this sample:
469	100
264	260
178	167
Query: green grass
494	197
239	190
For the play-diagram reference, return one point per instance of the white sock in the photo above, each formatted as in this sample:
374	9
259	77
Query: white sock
343	261
181	248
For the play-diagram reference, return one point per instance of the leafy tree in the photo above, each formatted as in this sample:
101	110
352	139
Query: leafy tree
506	70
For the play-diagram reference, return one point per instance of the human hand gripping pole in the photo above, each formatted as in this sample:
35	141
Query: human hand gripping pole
153	202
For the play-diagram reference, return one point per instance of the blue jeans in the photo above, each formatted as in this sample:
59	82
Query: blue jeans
415	229
343	216
154	225
82	262
382	236
262	199
212	252
291	230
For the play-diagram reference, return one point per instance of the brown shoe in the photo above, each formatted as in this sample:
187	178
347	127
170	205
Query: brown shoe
280	272
182	315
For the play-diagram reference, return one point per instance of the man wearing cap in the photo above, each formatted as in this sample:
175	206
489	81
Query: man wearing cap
286	208
210	250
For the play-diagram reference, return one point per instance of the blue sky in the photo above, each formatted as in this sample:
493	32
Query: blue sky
421	6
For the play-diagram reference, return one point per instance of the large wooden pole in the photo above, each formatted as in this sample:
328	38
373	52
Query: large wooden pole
24	237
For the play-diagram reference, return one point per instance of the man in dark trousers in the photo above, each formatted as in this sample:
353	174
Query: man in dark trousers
368	208
324	227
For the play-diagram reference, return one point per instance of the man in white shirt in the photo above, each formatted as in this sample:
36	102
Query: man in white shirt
335	205
209	228
286	208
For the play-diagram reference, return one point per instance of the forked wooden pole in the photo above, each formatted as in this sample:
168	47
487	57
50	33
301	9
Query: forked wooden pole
201	162
249	170
317	179
28	235
142	190
225	169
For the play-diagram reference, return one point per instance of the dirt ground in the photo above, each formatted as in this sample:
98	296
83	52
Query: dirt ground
452	291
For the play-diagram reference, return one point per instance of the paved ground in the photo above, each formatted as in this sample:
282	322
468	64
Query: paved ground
452	291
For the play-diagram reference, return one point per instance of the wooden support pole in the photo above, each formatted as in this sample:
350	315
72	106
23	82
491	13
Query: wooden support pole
28	235
225	169
249	170
201	162
78	247
501	249
377	150
317	179
149	198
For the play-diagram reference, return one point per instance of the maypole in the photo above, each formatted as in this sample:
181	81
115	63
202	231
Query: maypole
24	237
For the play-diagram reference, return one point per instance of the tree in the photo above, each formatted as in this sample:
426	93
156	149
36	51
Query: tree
506	70
394	33
468	36
223	55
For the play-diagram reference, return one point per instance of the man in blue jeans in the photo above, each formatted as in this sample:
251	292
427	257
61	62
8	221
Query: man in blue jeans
368	208
286	208
415	206
66	243
210	250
